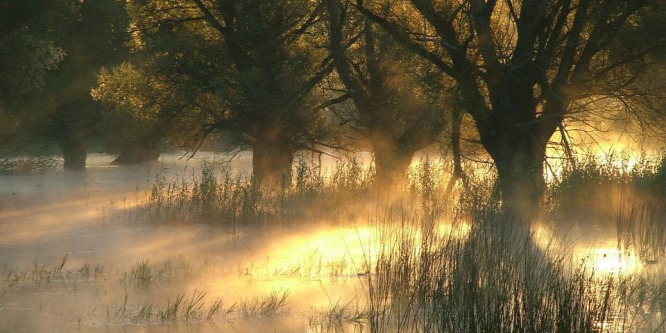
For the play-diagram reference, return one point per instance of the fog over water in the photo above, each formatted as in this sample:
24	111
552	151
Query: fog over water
82	216
72	260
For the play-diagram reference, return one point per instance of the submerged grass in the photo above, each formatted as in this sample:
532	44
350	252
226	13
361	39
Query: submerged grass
630	197
499	280
217	196
493	277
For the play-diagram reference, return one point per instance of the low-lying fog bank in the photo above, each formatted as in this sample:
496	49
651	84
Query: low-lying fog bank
100	251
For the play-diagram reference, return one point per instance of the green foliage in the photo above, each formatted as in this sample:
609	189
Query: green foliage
253	77
127	113
29	45
50	57
28	60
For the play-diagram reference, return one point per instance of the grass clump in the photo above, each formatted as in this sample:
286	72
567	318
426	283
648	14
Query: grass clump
264	307
217	196
498	280
180	309
338	318
629	195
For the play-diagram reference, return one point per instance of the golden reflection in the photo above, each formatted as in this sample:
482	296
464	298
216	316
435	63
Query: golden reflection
325	251
459	230
601	259
609	260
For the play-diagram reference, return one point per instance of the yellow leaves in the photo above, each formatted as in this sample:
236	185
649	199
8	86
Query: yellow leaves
129	90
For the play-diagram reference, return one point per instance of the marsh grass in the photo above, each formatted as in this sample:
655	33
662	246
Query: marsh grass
264	307
217	196
630	197
414	278
195	308
498	280
200	307
40	274
144	274
641	223
340	317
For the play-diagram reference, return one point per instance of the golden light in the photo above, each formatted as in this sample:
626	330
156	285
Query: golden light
543	236
458	230
602	259
609	260
325	251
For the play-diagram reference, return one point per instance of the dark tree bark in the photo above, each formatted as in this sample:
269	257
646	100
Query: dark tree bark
271	165
138	152
519	92
392	159
272	155
519	164
456	124
74	153
395	128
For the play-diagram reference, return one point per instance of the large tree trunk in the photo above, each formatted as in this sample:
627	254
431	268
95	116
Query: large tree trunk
271	163
74	154
144	151
520	170
516	140
391	163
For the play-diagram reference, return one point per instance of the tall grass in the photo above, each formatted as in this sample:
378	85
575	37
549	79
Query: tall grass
495	279
498	280
615	193
217	196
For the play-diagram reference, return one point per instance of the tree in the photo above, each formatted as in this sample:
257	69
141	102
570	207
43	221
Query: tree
27	45
27	52
94	38
397	96
520	65
247	68
88	35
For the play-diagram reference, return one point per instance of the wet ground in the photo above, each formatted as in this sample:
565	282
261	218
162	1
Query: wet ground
71	261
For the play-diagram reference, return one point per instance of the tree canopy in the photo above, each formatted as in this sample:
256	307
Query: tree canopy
247	68
520	67
279	76
398	97
54	50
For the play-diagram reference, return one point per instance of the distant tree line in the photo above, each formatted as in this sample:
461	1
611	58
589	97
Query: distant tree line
281	76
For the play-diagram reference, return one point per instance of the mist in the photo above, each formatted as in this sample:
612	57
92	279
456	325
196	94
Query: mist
92	251
332	166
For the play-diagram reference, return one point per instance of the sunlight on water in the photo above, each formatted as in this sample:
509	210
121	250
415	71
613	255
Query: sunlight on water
609	260
602	259
319	266
459	230
344	247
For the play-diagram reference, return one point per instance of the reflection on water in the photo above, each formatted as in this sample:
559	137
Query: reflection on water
599	255
115	271
610	260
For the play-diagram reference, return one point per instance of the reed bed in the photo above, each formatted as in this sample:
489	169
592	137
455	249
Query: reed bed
494	279
498	280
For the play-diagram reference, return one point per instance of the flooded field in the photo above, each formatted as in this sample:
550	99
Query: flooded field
71	262
74	258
